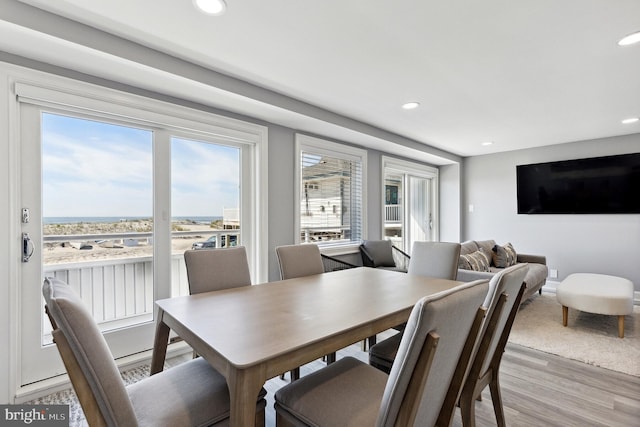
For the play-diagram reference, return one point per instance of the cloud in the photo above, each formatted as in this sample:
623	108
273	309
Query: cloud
99	169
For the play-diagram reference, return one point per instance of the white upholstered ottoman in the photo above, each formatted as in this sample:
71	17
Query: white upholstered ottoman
596	293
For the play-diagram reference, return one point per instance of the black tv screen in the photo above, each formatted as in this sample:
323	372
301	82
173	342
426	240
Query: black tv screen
598	185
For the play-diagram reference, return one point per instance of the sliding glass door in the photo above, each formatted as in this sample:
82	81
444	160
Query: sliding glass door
87	188
111	195
410	203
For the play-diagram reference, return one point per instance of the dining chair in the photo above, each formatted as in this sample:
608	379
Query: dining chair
435	259
216	269
502	302
431	259
190	394
383	254
299	261
438	340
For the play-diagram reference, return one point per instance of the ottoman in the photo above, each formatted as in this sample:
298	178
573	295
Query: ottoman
596	293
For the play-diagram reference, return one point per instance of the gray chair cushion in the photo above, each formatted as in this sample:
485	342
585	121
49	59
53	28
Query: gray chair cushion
380	252
299	260
192	393
215	269
322	397
382	354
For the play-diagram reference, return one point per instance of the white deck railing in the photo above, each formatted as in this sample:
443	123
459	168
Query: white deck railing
393	213
119	292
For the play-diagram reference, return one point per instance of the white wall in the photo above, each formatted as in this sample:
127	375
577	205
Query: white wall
606	244
450	198
5	230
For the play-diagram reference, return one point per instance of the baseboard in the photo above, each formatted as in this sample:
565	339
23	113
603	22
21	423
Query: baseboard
551	285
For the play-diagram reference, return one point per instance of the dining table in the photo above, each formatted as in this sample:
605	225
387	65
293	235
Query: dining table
253	333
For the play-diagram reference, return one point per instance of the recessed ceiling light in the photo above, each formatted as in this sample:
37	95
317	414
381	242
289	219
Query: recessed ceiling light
487	143
630	39
211	7
410	105
630	120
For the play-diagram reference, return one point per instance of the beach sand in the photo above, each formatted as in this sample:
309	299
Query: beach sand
64	252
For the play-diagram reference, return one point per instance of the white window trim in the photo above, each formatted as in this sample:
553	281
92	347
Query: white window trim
322	146
419	170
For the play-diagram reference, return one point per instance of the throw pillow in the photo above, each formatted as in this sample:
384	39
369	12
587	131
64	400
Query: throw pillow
476	261
504	256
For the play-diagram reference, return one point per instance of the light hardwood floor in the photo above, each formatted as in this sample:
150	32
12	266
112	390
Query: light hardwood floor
538	389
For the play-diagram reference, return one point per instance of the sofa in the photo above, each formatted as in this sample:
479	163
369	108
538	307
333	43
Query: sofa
481	259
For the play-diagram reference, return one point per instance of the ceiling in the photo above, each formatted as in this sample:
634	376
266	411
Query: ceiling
521	74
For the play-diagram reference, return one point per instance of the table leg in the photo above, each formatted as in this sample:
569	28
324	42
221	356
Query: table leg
160	342
244	386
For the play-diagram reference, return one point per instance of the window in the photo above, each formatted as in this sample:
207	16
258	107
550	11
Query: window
330	206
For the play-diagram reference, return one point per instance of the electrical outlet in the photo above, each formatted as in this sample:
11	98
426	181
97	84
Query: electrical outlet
553	273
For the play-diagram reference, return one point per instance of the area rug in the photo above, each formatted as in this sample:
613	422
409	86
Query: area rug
589	338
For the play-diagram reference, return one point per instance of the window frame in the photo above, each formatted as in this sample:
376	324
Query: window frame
337	150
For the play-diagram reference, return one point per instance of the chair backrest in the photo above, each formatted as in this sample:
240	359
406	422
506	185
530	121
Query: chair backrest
377	253
508	284
299	260
86	356
413	391
215	269
435	259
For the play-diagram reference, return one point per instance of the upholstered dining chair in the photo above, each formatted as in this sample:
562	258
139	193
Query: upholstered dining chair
216	269
190	394
432	259
299	261
502	302
435	259
438	340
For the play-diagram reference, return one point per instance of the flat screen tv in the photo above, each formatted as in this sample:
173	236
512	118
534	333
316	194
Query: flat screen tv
598	185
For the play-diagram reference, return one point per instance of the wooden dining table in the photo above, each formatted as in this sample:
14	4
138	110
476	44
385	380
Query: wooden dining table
253	333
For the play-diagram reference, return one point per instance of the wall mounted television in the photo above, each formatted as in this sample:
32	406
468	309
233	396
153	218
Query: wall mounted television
598	185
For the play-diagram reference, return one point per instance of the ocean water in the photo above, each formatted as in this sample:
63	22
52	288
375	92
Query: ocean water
107	219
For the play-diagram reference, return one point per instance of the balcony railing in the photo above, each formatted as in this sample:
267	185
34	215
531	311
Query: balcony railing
392	213
119	292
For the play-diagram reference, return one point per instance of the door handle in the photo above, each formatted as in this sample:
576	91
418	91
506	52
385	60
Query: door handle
27	247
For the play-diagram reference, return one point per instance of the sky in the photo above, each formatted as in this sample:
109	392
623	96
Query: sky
91	168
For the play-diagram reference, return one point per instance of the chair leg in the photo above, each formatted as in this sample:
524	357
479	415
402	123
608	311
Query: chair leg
467	410
369	342
330	358
295	374
496	399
